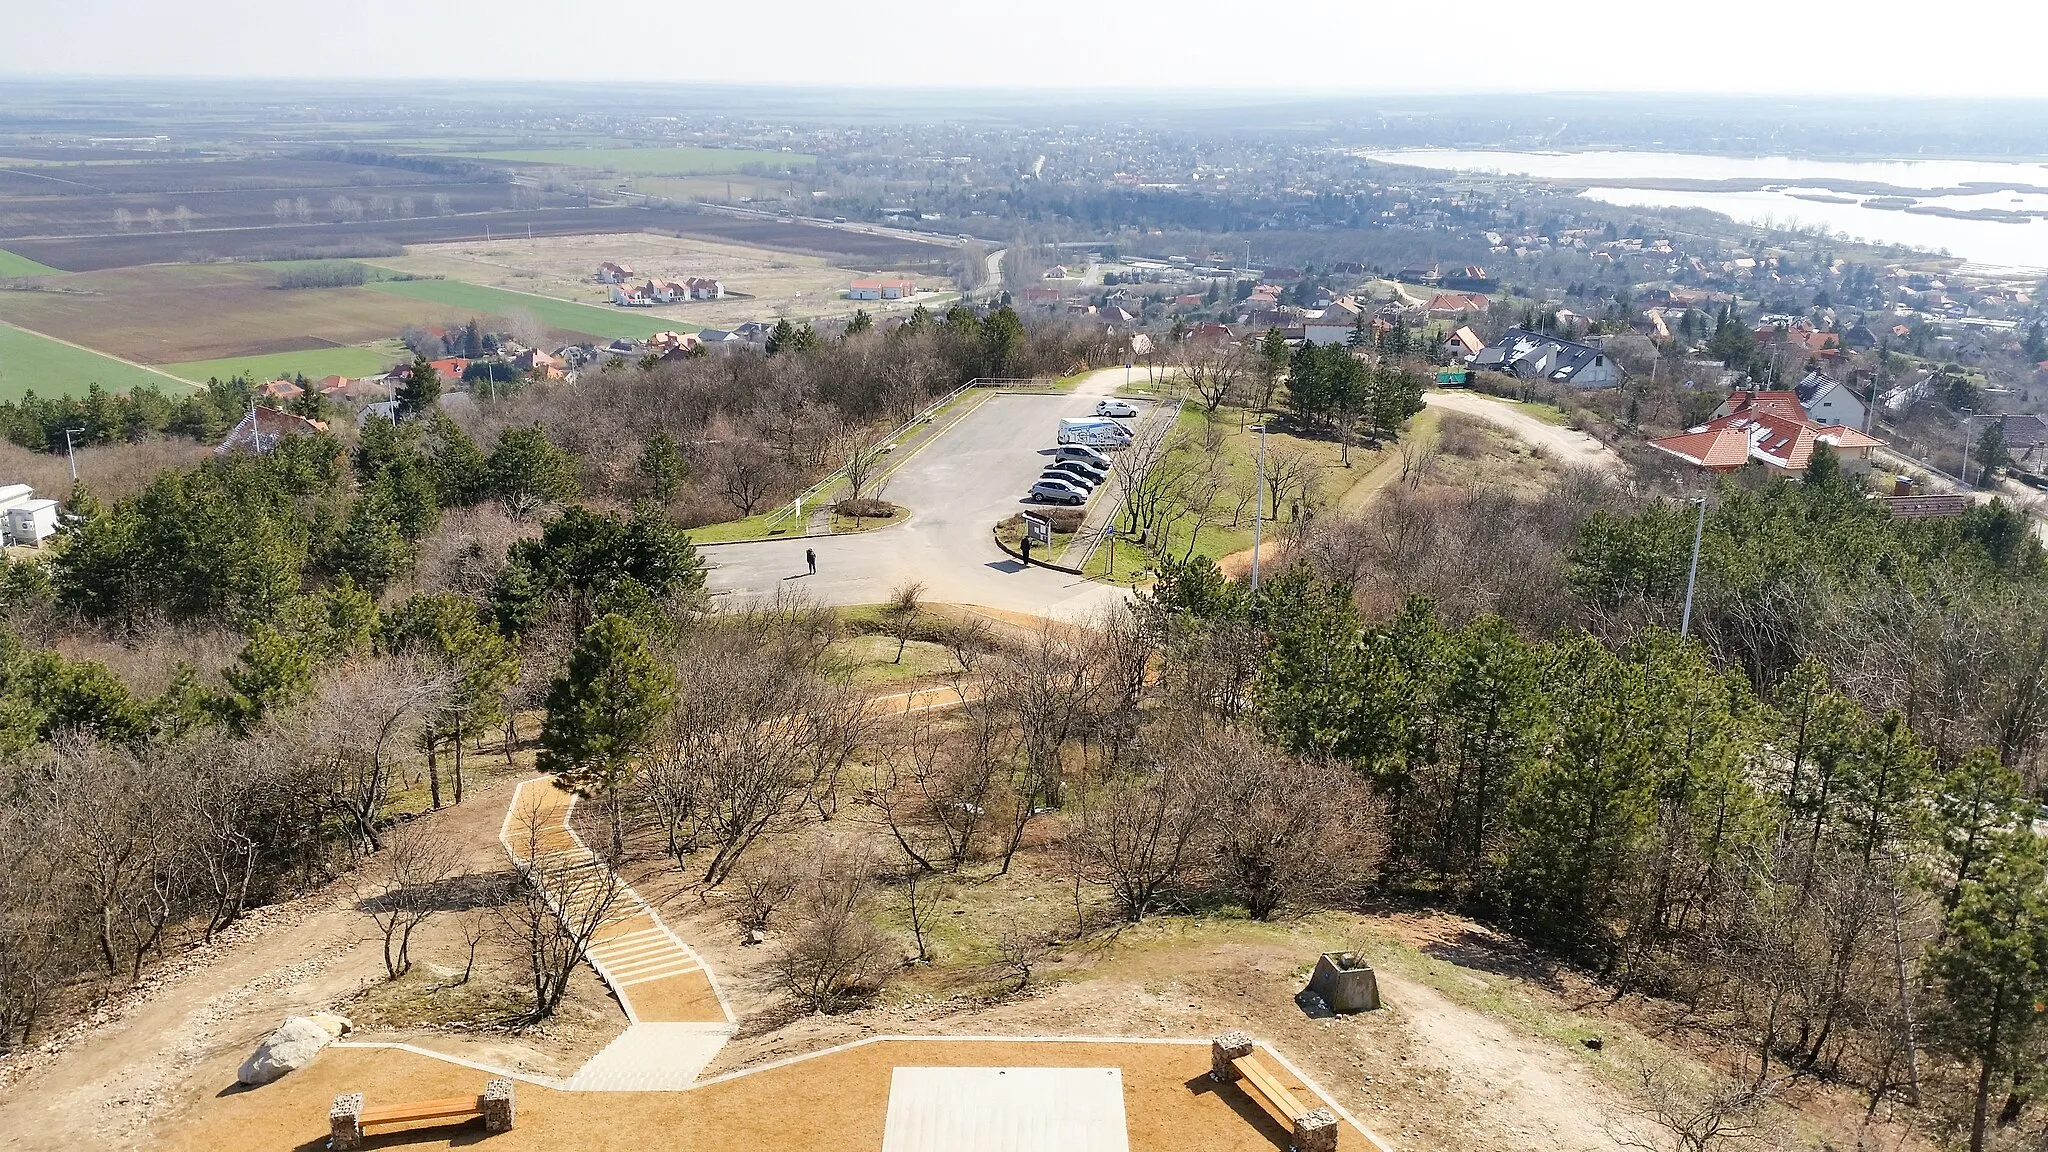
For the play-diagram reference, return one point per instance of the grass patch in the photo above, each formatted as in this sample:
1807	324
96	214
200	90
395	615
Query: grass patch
564	315
655	161
34	363
12	266
754	527
312	363
872	660
1548	413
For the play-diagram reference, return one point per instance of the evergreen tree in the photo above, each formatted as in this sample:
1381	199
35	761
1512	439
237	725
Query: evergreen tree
458	636
662	467
420	390
528	470
602	712
780	336
861	322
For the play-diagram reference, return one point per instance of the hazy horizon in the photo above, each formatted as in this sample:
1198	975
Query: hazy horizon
1196	45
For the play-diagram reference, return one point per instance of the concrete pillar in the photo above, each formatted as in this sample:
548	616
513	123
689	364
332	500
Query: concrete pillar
345	1122
1222	1050
1316	1132
498	1106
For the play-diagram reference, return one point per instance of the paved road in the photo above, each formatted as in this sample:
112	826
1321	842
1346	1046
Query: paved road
1567	446
957	486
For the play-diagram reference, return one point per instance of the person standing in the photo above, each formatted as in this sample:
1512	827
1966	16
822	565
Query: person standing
811	560
1027	549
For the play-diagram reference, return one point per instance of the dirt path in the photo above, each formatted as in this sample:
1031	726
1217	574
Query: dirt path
1567	446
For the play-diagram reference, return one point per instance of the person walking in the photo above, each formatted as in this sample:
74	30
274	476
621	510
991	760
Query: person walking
811	560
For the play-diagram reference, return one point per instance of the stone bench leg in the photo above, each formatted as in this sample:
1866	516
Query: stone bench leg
1222	1050
498	1106
345	1122
1316	1132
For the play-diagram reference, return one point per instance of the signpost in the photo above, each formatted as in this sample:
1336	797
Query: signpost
1039	529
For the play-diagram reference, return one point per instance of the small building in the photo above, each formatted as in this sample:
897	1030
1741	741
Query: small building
1768	429
261	430
610	273
1829	401
1530	355
1448	304
1056	272
30	522
1043	297
1464	343
881	289
704	288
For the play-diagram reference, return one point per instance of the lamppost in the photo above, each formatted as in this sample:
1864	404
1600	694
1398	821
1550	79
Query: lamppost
69	454
1692	576
1259	505
1965	477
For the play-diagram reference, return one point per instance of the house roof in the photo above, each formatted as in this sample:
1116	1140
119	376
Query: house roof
1458	302
1527	354
1764	430
1469	340
262	428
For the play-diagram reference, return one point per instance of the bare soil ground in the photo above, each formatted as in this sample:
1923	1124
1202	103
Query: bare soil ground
778	283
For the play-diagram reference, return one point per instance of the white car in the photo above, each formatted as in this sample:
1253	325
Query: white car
1114	408
1058	492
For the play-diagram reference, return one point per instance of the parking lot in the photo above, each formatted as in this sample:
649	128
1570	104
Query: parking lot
956	487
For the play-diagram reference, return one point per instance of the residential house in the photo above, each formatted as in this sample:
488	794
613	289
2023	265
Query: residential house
260	431
1829	401
1535	356
610	273
1859	337
753	332
881	289
279	390
451	369
536	363
1769	429
1328	329
716	337
704	288
630	297
1056	272
2026	438
1464	343
1445	305
1043	297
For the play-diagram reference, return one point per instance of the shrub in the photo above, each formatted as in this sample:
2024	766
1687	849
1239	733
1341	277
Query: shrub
865	509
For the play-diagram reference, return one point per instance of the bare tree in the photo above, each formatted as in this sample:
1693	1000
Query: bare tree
281	208
863	470
1213	370
1138	831
181	218
400	888
745	471
362	718
903	613
302	208
1018	952
443	206
934	790
1284	828
1682	1114
555	912
764	884
123	220
835	956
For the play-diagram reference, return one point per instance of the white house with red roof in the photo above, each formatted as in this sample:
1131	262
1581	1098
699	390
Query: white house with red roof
1767	428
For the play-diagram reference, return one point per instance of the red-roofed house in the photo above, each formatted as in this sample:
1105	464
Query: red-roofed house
263	427
1769	428
1445	304
879	289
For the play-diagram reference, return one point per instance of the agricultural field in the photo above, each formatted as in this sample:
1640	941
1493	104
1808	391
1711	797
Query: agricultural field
780	283
312	363
33	363
716	189
12	266
655	161
561	315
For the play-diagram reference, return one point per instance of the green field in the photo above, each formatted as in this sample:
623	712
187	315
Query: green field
12	266
565	315
655	161
32	363
313	363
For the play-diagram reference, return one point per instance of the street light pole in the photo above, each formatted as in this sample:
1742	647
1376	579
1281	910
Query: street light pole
1692	576
70	455
1259	506
1965	477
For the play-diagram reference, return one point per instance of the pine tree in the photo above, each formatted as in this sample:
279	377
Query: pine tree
421	389
601	713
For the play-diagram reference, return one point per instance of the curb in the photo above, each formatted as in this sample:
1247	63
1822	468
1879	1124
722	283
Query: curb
1012	552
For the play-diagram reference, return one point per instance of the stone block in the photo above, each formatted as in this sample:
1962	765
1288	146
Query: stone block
1346	983
1316	1132
1222	1050
345	1122
498	1106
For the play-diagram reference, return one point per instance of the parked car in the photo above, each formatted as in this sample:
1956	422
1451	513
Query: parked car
1058	492
1114	408
1093	475
1096	431
1084	454
1081	482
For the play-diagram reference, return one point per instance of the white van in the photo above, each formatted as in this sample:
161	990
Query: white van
1094	431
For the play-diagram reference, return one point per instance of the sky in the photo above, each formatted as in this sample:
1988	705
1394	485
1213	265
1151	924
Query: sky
1737	47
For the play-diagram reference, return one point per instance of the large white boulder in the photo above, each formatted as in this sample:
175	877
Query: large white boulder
333	1025
292	1046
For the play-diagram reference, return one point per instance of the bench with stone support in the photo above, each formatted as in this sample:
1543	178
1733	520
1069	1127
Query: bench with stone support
348	1120
1233	1060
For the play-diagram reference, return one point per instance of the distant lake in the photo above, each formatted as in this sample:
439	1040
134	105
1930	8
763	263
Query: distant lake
1856	198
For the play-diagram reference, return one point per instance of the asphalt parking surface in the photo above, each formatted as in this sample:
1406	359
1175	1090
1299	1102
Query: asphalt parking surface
956	486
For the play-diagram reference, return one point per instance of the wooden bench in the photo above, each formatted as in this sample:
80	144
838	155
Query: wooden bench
348	1120
1233	1059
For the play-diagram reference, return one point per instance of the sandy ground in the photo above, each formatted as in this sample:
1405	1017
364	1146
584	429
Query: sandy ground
1568	447
780	283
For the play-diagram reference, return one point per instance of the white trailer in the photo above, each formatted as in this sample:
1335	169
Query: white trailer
1094	431
31	522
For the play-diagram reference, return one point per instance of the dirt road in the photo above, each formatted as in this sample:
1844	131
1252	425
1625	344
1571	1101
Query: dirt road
1567	446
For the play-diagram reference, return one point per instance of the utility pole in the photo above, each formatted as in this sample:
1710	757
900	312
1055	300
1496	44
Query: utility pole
1692	577
1965	475
1259	507
69	453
